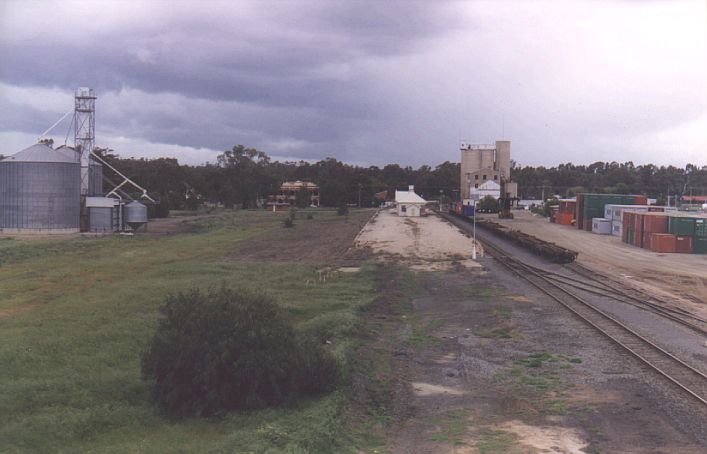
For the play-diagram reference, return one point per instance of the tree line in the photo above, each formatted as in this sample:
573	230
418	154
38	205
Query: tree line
242	177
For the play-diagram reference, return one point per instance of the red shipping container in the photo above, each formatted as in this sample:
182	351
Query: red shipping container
624	232
655	224
663	242
646	240
638	229
640	200
683	244
579	211
629	219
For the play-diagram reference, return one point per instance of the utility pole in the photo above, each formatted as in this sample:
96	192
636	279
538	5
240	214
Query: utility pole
473	246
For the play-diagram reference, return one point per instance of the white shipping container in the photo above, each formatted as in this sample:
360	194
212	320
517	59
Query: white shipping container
601	226
616	227
615	211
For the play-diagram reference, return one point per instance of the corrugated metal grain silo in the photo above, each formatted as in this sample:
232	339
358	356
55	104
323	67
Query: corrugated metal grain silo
135	214
40	191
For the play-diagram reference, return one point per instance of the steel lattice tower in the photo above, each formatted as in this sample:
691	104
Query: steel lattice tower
84	130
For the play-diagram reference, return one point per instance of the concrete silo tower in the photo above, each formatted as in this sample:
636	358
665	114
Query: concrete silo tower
503	158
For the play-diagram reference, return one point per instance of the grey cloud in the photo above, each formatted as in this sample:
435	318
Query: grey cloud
363	81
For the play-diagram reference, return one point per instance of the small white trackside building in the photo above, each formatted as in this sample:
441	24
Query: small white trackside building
407	203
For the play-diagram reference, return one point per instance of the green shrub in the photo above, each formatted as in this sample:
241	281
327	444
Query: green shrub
310	216
317	370
343	210
230	350
288	222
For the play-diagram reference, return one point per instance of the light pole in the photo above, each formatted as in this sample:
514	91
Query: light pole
473	246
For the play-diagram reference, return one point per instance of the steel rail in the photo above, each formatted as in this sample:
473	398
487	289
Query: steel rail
632	341
629	345
660	307
584	271
676	316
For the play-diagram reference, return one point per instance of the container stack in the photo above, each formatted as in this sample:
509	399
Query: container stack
615	214
669	232
700	240
590	206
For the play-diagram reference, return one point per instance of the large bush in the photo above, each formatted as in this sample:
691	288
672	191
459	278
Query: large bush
229	350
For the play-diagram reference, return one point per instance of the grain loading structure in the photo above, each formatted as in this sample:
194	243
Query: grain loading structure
46	190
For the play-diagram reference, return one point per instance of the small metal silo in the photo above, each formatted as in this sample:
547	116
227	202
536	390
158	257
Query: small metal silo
40	191
135	214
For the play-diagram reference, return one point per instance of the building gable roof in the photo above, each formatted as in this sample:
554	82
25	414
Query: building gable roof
408	197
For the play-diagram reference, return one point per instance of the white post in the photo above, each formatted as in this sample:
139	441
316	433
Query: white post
473	246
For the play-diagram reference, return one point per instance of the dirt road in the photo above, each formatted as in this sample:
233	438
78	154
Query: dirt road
425	243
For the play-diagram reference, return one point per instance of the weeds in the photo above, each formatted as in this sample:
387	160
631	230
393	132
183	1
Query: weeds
452	426
495	441
71	372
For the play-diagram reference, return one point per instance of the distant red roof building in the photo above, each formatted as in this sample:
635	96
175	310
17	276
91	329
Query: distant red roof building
694	198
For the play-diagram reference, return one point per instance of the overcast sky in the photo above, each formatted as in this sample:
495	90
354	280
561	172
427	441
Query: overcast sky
364	82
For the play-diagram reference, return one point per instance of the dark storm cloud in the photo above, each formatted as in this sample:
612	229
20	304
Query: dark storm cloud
274	60
369	82
293	70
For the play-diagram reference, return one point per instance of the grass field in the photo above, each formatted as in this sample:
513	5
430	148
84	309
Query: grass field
76	314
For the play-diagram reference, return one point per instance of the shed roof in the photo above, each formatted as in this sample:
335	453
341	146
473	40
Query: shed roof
40	152
408	197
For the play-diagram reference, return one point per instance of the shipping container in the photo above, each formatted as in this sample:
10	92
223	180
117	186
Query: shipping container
617	228
565	218
701	228
638	229
646	240
683	244
590	206
579	211
662	242
612	211
601	226
655	223
624	232
699	245
682	226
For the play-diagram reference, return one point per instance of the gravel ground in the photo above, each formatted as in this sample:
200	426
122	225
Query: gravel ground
425	243
500	367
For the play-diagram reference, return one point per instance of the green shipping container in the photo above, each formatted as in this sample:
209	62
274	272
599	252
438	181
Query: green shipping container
701	228
682	226
699	245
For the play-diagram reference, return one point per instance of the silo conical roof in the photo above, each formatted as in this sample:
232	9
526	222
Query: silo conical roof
40	152
68	151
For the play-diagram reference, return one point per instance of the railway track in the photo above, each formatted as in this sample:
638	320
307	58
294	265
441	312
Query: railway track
686	377
598	286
